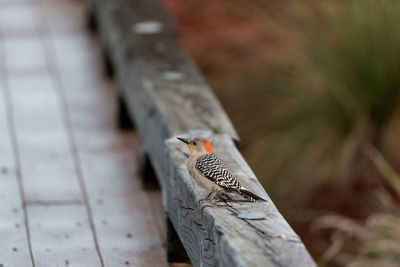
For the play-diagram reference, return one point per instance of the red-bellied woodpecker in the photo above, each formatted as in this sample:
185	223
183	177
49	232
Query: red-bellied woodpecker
211	173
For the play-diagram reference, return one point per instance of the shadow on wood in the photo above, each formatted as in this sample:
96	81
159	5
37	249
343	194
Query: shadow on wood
108	66
91	20
175	250
124	119
147	174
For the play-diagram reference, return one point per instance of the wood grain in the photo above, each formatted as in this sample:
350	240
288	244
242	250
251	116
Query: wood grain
166	96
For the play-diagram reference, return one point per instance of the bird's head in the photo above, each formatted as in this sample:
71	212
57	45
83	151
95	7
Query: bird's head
198	145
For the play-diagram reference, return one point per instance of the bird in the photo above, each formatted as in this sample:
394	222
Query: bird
211	173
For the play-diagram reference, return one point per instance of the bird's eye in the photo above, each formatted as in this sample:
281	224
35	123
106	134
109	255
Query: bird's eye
194	143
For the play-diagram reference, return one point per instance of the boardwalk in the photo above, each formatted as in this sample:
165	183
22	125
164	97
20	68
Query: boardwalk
68	191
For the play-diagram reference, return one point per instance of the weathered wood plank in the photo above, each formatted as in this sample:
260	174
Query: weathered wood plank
43	157
47	168
55	206
123	221
24	54
167	96
125	228
60	67
14	244
122	214
65	17
61	236
160	83
19	17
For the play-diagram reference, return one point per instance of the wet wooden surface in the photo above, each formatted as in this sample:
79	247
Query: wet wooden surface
68	187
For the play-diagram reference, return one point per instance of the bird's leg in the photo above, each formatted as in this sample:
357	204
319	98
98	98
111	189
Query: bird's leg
228	197
211	196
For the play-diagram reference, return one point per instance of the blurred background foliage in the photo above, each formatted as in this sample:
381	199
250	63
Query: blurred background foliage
313	89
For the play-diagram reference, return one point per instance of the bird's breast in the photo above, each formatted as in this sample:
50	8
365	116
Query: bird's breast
200	179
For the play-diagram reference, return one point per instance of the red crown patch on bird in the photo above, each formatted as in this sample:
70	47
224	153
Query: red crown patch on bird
207	145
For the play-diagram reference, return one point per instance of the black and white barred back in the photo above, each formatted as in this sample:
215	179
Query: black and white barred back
215	170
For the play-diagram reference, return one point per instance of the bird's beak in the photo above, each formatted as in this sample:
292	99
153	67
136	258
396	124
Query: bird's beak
186	141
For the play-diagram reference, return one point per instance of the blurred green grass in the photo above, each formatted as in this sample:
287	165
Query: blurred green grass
341	97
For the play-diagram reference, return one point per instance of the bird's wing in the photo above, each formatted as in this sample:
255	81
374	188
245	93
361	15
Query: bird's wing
215	170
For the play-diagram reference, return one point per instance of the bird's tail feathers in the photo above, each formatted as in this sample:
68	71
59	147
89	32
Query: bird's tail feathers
250	195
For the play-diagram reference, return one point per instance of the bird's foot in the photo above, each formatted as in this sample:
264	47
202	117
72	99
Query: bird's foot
207	201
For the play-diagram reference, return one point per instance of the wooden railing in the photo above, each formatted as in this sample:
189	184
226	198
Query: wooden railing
165	96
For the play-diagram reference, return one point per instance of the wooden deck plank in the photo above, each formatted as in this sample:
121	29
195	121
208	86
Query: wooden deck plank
18	17
122	216
61	236
124	223
14	246
66	16
59	221
24	54
77	169
47	169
